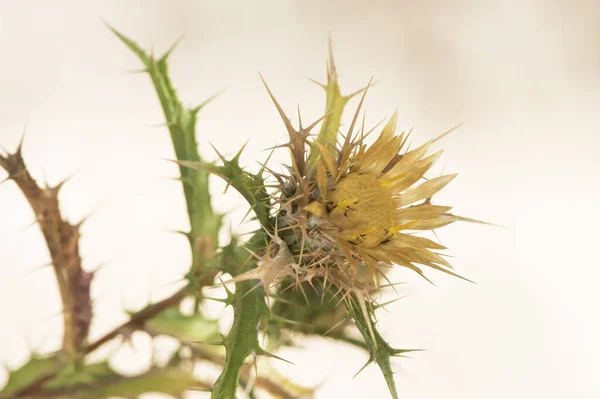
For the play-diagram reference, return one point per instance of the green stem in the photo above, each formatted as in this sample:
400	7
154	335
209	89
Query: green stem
205	223
249	309
242	340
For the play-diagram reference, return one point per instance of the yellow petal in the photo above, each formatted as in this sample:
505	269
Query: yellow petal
328	158
431	224
425	190
405	226
408	159
415	241
390	128
426	257
413	173
356	236
316	208
420	212
409	179
322	179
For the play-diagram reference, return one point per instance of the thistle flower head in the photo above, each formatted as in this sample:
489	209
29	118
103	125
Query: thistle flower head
346	212
353	210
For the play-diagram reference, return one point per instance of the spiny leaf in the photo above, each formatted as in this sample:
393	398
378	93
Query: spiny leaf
170	381
380	350
335	103
133	46
35	369
74	376
250	186
181	122
192	328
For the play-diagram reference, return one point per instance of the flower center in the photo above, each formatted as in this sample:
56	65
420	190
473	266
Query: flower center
362	209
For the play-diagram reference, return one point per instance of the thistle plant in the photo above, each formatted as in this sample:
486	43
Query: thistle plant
338	216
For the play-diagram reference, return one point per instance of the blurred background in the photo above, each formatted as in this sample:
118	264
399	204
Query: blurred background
523	76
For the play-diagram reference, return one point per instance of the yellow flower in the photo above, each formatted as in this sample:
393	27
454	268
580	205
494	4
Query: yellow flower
347	213
368	202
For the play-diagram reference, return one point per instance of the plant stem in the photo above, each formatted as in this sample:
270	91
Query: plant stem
62	240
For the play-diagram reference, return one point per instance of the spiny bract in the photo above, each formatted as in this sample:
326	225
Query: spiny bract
350	210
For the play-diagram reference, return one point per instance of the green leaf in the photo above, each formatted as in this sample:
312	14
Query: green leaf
335	103
74	376
181	122
250	186
381	352
168	381
192	328
36	368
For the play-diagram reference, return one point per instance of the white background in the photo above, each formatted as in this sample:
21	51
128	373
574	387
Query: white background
523	76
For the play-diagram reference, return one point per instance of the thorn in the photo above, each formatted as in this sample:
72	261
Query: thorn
162	124
210	99
399	352
55	190
230	295
36	221
360	104
436	236
362	128
200	389
420	272
236	158
264	164
391	284
374	127
286	120
303	293
324	87
293	322
383	305
213	343
172	48
165	284
357	92
186	234
345	319
315	123
250	209
215	299
447	132
77	226
19	150
299	119
364	367
136	71
35	269
255	364
331	69
259	284
277	146
223	159
262	352
367	316
465	219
